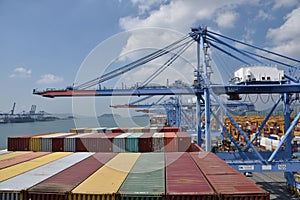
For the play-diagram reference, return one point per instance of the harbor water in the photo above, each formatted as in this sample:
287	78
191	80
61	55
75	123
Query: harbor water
17	129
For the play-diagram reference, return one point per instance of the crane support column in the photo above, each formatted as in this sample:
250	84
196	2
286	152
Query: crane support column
287	123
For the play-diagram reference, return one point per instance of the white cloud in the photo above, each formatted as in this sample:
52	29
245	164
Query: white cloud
262	15
21	72
286	38
285	3
226	19
49	79
145	6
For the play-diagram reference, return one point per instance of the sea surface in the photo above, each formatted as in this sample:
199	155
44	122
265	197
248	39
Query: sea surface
17	129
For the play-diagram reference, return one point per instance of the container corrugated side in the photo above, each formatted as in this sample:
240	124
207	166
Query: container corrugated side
96	143
12	155
158	142
61	184
209	163
58	144
35	143
132	142
184	180
70	142
37	175
21	143
119	142
145	142
184	141
106	181
146	179
15	170
171	142
47	141
21	158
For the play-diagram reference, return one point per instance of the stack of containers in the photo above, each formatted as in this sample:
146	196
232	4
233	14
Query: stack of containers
21	143
158	142
132	142
146	179
16	186
184	180
46	141
106	181
119	142
228	183
145	142
60	185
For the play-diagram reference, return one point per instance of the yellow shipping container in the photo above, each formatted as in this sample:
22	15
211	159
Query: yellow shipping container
12	154
15	170
35	143
106	181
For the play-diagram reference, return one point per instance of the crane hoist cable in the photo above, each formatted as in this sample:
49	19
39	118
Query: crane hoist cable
253	46
232	47
168	63
132	65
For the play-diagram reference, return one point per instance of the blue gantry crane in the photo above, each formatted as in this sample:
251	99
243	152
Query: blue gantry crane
246	158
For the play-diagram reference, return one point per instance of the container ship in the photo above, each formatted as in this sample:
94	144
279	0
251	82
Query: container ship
118	163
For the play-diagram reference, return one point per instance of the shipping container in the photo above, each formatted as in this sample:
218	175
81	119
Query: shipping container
21	158
209	164
184	141
35	143
171	142
170	129
106	181
236	186
132	142
119	142
227	182
21	168
146	179
145	142
37	175
184	180
158	142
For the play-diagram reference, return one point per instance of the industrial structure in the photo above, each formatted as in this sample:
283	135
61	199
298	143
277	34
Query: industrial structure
282	81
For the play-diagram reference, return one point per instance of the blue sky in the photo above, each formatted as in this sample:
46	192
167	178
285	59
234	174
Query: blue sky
45	43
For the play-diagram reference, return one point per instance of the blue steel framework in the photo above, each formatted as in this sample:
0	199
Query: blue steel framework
245	159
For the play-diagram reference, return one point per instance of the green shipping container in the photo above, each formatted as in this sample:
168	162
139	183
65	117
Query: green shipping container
146	179
132	142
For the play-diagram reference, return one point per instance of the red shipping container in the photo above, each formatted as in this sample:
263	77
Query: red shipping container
61	184
184	180
171	142
236	186
209	164
145	142
170	129
184	141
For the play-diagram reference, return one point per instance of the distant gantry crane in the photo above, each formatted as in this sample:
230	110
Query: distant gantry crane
247	81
